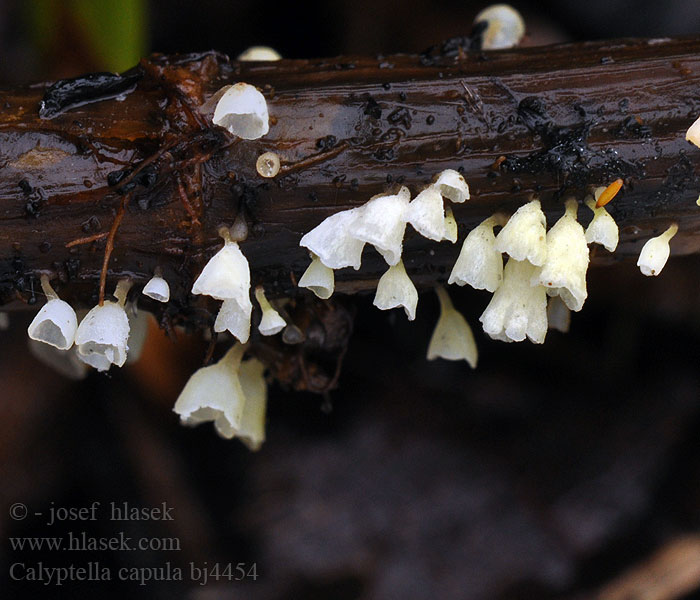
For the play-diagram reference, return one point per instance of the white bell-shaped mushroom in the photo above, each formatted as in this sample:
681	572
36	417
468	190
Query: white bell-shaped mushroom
242	110
103	334
382	223
214	393
517	309
157	288
505	28
260	53
332	243
452	186
251	430
693	133
395	289
426	213
227	274
55	324
564	271
656	251
271	321
524	236
235	318
602	229
451	230
558	314
479	263
318	278
453	338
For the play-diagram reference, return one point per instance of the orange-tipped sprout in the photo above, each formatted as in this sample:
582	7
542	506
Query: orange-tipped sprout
609	193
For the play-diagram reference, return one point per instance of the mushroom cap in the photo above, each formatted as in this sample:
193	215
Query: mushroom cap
319	279
382	223
242	111
452	186
235	318
426	213
158	289
55	324
479	263
524	236
395	289
331	241
226	275
102	336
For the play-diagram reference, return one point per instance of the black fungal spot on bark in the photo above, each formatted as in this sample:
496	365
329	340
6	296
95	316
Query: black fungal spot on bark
400	116
568	157
78	91
630	128
372	108
326	143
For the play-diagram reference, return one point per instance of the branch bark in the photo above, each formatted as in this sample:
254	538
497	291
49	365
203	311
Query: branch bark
551	121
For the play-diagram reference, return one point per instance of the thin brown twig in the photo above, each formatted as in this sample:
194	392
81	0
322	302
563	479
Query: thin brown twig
110	246
87	240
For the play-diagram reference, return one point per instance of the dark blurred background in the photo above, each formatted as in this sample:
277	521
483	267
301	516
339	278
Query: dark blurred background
563	471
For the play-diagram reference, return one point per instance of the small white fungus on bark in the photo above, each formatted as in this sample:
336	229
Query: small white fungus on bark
55	324
517	309
524	236
479	264
564	272
271	322
318	278
602	229
382	223
259	53
505	28
656	251
395	289
157	288
452	338
242	111
332	243
103	334
452	186
426	213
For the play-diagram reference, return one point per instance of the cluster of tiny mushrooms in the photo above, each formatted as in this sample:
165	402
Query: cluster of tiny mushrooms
232	393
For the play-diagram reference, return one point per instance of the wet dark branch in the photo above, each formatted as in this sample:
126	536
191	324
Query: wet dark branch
551	121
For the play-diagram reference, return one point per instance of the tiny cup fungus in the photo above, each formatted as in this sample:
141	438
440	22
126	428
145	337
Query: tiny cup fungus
382	223
602	229
55	324
157	289
271	322
564	272
524	236
332	243
452	338
426	213
242	111
259	53
318	278
505	28
656	251
214	393
103	334
452	186
395	289
517	308
268	165
226	275
479	263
